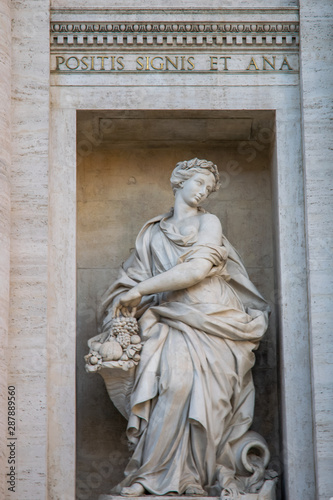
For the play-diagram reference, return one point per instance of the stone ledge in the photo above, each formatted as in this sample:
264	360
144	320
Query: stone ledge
267	492
166	497
249	496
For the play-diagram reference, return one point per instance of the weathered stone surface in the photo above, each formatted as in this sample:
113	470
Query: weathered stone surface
5	156
27	341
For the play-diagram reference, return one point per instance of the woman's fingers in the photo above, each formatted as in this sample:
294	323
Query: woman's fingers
133	311
127	304
124	311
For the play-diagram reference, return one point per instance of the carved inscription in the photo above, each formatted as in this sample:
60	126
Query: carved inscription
173	63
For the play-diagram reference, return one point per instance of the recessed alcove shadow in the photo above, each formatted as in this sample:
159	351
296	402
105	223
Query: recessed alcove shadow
124	162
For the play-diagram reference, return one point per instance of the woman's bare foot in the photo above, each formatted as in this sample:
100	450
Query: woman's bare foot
136	490
195	490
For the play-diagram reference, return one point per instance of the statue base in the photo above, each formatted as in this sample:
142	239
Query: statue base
267	492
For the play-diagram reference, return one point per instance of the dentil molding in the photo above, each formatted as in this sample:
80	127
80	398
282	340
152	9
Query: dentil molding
125	30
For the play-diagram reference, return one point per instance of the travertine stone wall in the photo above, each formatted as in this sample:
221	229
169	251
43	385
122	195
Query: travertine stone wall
5	153
317	93
41	305
29	242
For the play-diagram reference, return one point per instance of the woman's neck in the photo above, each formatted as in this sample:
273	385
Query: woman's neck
182	210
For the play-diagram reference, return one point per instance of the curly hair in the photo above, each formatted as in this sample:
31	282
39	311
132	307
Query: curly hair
185	169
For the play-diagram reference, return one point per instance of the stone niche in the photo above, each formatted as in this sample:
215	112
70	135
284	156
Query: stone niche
124	162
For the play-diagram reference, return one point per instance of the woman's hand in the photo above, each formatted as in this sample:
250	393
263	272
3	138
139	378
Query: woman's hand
130	300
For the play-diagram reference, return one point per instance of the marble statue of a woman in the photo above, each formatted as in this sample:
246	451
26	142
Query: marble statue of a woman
190	399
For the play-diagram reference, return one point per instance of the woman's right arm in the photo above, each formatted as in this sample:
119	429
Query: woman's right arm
182	275
179	277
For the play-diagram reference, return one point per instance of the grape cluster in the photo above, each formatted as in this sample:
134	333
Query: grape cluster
123	327
124	339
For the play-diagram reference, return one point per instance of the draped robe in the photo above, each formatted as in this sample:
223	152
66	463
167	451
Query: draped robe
193	394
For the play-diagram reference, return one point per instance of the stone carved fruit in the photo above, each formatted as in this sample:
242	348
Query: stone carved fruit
121	345
95	346
135	339
124	325
111	351
124	339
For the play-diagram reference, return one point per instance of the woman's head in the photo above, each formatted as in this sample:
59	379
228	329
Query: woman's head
186	169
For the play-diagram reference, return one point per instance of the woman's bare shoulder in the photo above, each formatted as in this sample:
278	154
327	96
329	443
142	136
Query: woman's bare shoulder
210	220
210	230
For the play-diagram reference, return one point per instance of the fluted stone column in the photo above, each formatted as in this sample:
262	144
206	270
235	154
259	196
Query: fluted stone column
5	145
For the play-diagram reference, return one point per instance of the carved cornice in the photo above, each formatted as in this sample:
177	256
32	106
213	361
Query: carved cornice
198	35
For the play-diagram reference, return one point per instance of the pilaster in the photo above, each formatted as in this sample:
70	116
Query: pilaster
5	160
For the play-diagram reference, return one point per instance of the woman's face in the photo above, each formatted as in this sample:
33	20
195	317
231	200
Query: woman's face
197	188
